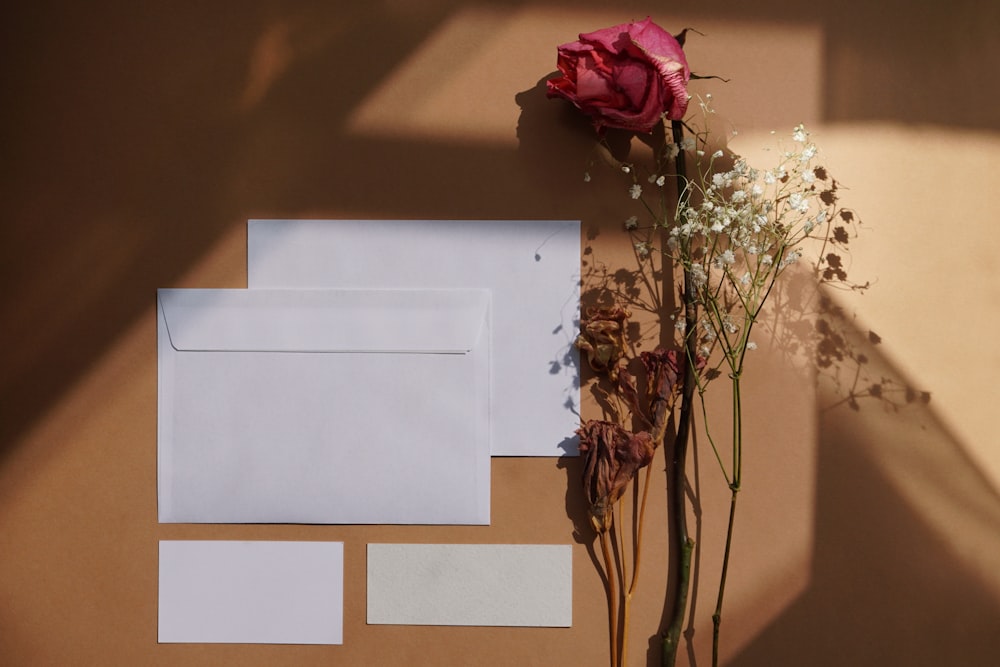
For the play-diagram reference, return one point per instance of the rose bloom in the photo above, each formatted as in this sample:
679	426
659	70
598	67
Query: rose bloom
627	76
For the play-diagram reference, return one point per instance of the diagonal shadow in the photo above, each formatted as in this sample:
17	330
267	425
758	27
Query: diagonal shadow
122	167
907	544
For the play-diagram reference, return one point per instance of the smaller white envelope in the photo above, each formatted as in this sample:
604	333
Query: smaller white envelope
470	584
251	592
323	406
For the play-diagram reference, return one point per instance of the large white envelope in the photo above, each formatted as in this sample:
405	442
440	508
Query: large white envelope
324	406
532	268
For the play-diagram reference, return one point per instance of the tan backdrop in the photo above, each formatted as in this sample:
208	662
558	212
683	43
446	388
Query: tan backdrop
138	138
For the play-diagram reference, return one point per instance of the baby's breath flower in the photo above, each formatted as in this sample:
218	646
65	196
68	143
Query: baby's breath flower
586	177
642	249
635	191
798	202
799	134
751	345
717	154
790	258
627	169
687	144
632	223
708	331
698	275
673	150
726	258
660	180
808	176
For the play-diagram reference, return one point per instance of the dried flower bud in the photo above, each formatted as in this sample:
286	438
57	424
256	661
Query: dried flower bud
613	457
663	375
602	338
629	392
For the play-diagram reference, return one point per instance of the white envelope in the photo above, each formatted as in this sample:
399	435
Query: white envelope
532	268
324	406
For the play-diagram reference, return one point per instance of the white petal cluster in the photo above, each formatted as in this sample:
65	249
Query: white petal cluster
736	229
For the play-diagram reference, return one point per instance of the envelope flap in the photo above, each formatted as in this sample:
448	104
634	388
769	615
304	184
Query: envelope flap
325	320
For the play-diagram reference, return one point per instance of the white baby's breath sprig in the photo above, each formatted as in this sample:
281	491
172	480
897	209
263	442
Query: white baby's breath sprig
737	228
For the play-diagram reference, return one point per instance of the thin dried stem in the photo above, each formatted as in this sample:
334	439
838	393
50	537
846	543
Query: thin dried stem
612	589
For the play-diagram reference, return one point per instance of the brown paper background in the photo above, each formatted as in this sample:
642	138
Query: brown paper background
138	138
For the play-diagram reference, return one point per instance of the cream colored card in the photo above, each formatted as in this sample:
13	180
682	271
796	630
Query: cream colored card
470	584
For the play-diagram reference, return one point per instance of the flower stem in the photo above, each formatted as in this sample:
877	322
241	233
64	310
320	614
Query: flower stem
734	487
678	526
612	589
636	557
638	538
625	620
671	639
717	616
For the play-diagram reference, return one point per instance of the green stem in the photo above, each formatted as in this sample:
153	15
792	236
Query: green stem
671	640
717	616
678	526
734	488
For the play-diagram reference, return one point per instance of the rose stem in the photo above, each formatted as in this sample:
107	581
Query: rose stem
678	527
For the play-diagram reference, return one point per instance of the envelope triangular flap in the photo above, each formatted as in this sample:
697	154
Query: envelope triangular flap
442	321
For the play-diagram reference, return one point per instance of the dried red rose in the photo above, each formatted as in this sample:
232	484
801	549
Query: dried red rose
627	76
613	457
663	373
603	338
